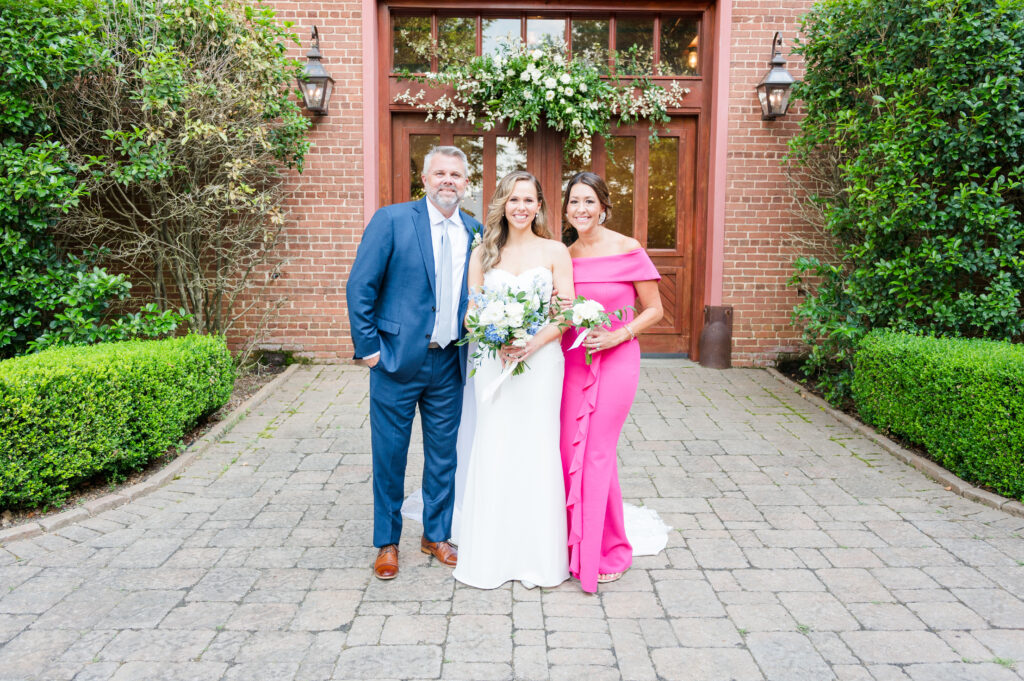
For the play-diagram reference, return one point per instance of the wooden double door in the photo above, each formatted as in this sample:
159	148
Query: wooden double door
653	185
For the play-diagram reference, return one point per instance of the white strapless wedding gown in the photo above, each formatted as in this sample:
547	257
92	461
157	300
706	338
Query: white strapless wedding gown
512	523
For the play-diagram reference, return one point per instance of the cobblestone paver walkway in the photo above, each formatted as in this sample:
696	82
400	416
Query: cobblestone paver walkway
800	551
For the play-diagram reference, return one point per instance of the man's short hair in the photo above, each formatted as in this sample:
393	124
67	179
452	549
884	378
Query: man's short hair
446	151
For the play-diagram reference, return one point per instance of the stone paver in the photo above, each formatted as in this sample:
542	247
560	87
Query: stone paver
799	550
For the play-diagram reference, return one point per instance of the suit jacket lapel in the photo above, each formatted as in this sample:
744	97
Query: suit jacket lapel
421	221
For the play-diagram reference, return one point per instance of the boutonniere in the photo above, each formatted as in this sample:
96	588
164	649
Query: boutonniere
478	238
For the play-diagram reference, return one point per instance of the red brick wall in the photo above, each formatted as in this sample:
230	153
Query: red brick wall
326	219
760	223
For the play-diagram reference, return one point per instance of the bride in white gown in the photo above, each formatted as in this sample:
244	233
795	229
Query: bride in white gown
512	524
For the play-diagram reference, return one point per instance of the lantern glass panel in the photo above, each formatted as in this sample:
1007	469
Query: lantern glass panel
778	99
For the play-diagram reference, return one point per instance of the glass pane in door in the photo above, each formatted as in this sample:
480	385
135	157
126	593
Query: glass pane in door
473	147
411	40
621	171
510	154
540	31
456	40
662	176
679	55
590	41
419	145
498	31
634	45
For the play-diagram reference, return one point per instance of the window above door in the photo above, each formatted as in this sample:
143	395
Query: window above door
659	44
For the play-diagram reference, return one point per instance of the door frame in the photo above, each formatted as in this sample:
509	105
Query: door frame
701	105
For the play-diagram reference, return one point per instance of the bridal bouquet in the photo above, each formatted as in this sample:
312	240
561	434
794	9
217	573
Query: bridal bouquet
586	314
506	315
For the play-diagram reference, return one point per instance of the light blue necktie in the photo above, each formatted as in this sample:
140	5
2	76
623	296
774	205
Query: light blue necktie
444	289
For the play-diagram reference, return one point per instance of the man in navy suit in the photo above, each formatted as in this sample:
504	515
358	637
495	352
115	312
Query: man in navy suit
406	301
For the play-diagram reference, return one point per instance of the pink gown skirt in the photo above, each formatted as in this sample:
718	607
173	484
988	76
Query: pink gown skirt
595	403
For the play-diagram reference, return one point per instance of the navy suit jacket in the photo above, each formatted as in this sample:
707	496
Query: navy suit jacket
390	291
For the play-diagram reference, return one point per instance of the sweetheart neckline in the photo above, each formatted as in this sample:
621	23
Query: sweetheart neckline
529	269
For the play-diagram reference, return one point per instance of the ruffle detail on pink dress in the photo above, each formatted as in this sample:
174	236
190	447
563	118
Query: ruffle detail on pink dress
574	496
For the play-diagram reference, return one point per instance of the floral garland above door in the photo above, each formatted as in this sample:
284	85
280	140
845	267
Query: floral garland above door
525	87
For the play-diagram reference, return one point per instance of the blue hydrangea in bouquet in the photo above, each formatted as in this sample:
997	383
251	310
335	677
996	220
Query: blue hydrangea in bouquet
506	315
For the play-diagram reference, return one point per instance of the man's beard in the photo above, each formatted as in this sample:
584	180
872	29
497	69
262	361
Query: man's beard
445	203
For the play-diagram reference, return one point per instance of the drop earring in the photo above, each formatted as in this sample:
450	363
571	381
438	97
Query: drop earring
604	216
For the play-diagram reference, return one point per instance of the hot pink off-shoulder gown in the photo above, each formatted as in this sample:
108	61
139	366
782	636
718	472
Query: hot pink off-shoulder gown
595	402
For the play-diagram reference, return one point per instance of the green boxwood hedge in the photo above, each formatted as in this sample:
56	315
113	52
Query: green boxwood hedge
70	414
962	400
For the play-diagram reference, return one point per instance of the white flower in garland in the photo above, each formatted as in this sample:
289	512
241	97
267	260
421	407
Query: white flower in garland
525	89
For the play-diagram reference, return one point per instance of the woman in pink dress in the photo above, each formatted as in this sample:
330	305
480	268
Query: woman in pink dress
616	271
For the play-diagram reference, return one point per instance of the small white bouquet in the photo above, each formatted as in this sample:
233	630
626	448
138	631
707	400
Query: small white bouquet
506	315
586	314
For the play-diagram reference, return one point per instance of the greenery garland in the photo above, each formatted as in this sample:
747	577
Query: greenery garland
525	87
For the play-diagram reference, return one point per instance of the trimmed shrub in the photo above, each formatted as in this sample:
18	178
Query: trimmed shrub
75	413
962	400
912	157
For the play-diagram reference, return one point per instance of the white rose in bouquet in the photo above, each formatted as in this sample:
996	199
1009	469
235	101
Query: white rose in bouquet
492	313
586	311
514	312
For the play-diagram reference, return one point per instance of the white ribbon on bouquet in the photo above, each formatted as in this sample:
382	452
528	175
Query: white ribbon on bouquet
493	386
580	338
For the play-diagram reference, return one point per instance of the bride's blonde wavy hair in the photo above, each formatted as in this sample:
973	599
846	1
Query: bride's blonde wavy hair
496	224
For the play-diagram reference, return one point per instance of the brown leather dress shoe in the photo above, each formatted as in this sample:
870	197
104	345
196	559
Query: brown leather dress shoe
442	550
386	565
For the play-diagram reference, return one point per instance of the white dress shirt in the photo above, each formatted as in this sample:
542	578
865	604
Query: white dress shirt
458	241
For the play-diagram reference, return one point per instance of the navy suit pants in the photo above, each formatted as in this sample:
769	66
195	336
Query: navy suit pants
437	390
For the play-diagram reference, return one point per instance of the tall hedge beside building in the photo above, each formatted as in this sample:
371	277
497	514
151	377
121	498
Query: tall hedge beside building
912	155
71	414
962	400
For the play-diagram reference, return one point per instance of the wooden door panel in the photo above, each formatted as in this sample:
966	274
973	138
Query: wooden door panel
654	185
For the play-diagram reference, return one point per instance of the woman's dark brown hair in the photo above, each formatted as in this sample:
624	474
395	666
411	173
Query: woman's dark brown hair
594	181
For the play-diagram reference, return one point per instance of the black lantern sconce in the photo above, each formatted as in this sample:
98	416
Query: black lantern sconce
315	82
776	86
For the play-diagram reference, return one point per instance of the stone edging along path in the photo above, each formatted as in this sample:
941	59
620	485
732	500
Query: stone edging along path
170	471
153	482
926	466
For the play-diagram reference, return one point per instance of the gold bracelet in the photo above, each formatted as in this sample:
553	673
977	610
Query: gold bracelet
629	330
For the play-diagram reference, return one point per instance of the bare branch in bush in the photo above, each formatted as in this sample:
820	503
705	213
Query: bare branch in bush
185	134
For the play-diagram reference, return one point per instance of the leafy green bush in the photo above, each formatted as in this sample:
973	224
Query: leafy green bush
912	152
962	400
185	133
71	414
46	296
